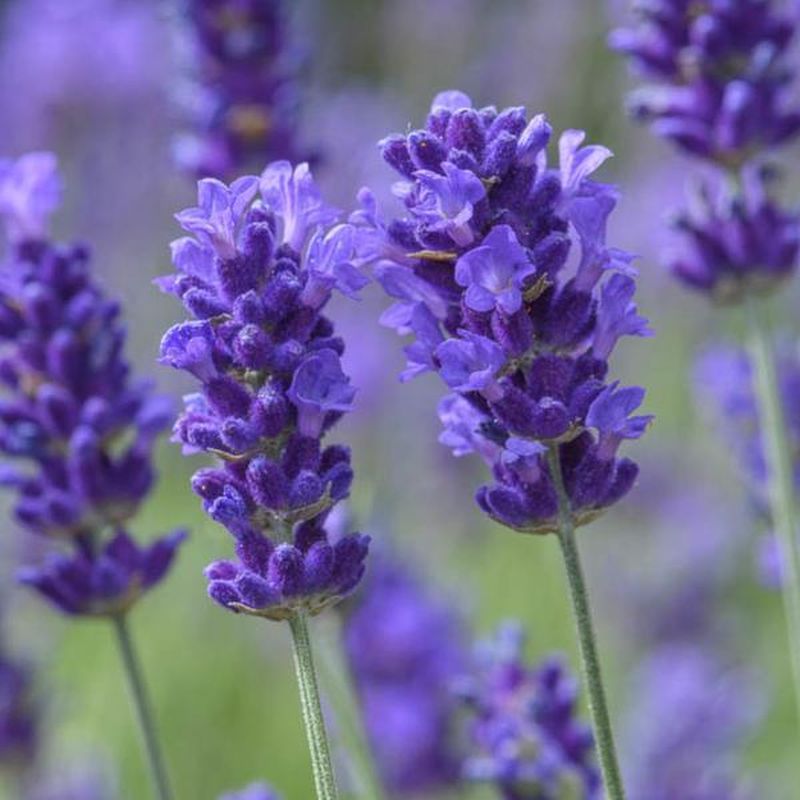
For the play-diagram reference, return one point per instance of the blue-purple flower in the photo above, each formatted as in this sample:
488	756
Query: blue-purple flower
735	244
689	714
405	647
520	327
526	739
721	74
255	281
77	430
242	103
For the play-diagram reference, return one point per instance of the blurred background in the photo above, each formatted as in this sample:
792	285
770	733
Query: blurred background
96	81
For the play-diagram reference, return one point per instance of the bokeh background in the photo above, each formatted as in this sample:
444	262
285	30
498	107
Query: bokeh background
95	81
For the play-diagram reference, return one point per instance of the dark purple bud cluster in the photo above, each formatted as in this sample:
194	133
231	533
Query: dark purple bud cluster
77	430
736	243
255	277
501	272
721	74
526	738
243	102
723	94
406	648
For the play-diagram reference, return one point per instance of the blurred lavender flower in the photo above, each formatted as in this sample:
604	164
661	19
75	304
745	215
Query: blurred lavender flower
65	63
405	648
724	382
18	718
255	277
76	781
71	412
736	242
243	104
526	738
690	715
724	96
480	272
721	74
255	791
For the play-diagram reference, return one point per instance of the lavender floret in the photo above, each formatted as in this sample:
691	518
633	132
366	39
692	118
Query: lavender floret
77	430
526	738
501	272
272	386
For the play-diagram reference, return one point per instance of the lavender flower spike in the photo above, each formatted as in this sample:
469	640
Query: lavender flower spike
242	102
77	430
495	309
526	739
520	332
721	75
272	386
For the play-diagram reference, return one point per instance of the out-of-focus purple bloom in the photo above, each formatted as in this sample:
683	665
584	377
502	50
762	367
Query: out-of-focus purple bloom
689	714
525	736
521	331
242	104
272	385
18	718
724	383
720	73
405	648
103	583
75	781
72	414
256	791
30	191
735	244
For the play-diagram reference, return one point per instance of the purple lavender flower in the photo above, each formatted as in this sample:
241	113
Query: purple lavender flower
272	386
724	382
481	271
721	75
255	791
704	710
72	415
526	739
405	649
243	104
106	582
736	244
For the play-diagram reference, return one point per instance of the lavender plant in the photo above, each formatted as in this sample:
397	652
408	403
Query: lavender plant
721	90
527	740
405	647
501	272
243	102
255	276
77	430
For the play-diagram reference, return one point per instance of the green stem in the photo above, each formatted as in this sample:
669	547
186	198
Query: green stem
324	778
598	705
141	703
338	681
780	472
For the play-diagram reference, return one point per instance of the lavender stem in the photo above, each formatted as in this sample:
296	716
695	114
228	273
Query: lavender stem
324	777
141	702
590	661
780	475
